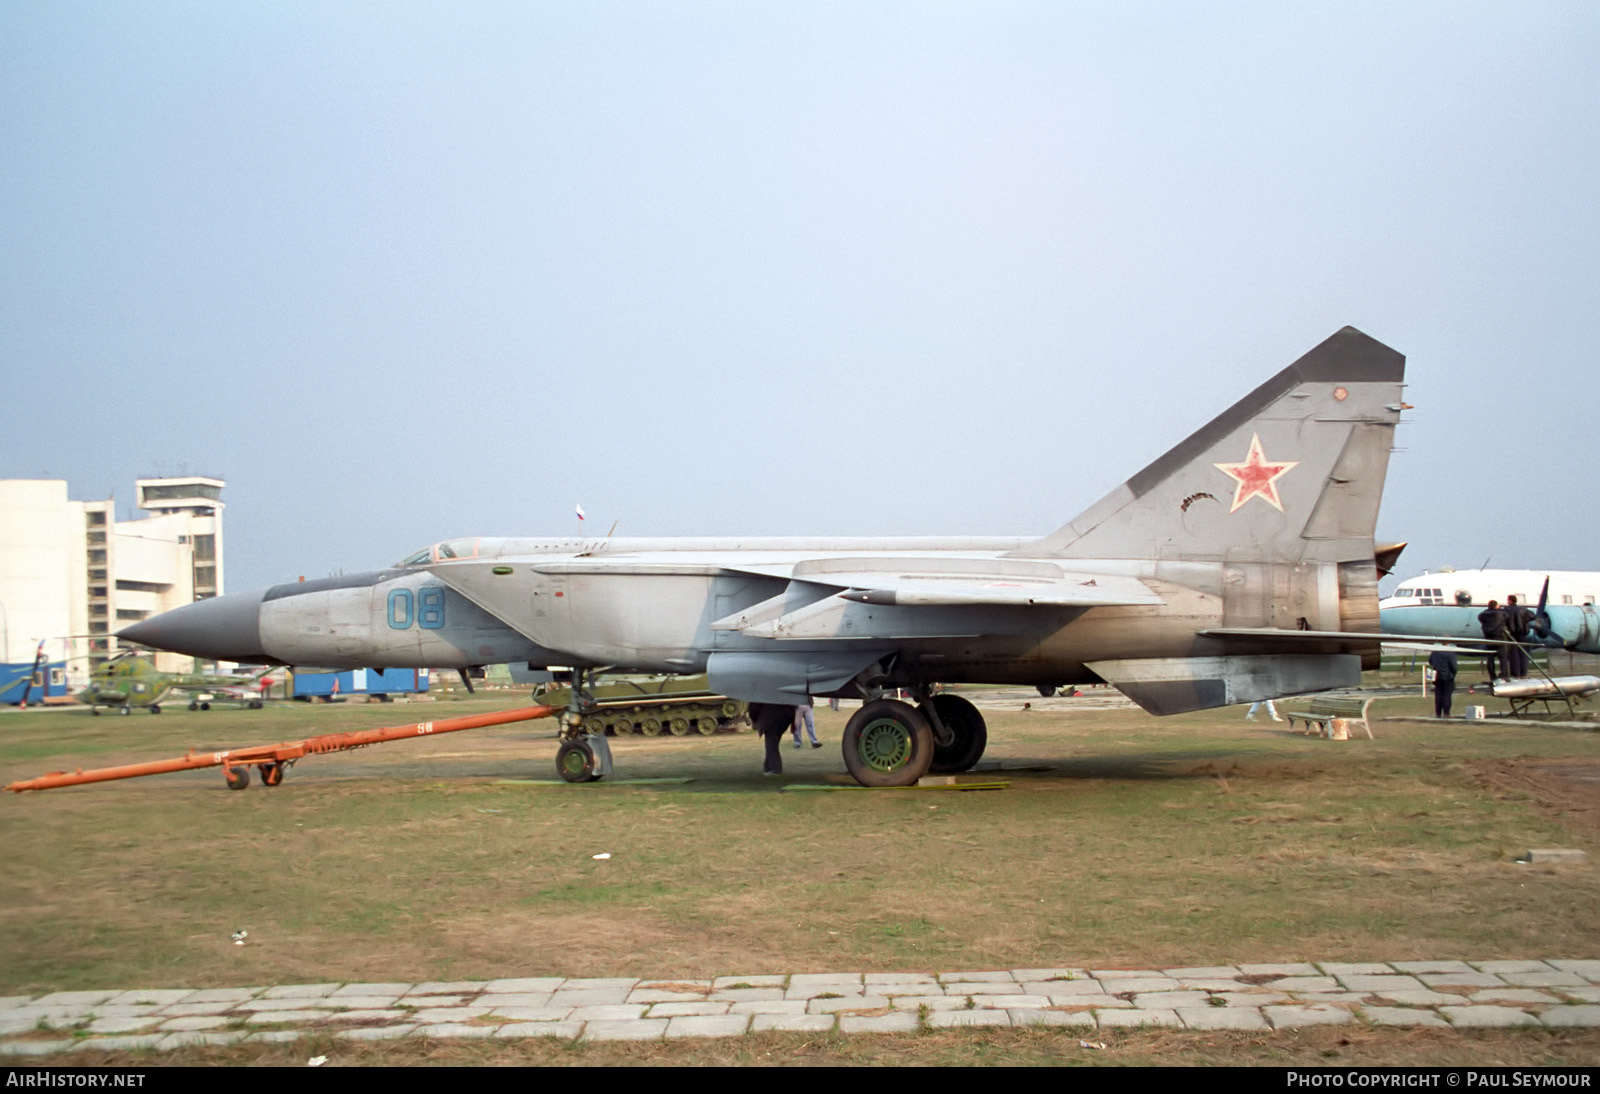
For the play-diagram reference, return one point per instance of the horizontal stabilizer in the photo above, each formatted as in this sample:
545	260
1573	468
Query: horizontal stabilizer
1176	685
1247	634
1424	647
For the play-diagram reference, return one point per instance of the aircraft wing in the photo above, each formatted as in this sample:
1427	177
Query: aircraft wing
914	581
844	598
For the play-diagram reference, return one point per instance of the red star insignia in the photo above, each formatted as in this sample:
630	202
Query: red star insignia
1256	476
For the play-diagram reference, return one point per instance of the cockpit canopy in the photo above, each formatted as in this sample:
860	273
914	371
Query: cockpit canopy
442	552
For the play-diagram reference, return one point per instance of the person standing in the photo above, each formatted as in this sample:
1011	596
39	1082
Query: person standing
1444	667
805	715
771	721
1519	621
1493	621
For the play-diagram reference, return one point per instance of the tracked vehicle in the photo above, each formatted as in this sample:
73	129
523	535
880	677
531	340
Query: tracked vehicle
652	705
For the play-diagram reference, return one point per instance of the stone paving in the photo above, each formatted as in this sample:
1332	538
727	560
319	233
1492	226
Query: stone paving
1558	994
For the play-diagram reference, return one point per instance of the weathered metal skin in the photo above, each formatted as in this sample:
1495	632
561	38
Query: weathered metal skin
1237	566
354	626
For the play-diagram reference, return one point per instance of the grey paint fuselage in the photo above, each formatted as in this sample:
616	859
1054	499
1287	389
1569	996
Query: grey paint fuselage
1237	566
649	606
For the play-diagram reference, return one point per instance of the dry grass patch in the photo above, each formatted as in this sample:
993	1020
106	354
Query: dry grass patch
1346	1046
1144	842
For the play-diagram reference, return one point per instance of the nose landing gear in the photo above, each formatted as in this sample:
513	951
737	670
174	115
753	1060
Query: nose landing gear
583	756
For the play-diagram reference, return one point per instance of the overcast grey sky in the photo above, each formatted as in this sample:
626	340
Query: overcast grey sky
405	271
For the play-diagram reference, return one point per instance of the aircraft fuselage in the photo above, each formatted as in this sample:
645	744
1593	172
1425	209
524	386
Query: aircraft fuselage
654	606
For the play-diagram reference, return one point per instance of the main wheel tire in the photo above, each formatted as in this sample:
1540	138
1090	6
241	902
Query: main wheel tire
594	725
679	726
155	708
205	706
966	726
705	726
575	762
238	777
730	708
271	774
622	726
887	743
651	727
193	705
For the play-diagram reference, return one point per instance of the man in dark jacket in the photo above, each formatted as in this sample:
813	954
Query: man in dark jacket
1519	621
771	722
1493	621
1444	681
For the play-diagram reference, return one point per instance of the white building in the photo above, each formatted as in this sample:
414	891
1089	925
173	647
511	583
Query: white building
71	574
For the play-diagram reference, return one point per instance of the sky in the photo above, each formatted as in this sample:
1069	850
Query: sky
403	272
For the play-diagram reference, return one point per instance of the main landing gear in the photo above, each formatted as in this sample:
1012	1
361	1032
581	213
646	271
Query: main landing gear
890	743
583	756
959	734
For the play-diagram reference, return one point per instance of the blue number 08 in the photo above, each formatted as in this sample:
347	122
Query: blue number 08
426	610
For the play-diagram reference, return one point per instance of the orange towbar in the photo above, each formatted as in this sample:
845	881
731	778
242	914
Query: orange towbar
274	760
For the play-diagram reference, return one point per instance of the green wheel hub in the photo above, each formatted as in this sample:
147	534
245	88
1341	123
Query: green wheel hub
885	745
573	762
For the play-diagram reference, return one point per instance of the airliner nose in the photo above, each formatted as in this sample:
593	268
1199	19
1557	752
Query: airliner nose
222	628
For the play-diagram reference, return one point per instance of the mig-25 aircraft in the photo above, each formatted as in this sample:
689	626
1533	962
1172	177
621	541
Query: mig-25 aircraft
132	681
1238	566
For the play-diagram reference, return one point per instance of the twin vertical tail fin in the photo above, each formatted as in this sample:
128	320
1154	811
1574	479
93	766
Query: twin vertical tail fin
1293	472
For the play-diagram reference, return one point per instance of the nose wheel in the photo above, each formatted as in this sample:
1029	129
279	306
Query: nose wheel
584	755
576	763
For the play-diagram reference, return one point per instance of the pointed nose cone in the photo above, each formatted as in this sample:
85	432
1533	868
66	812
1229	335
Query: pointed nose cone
223	628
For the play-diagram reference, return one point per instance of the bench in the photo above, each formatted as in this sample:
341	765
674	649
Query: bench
1321	710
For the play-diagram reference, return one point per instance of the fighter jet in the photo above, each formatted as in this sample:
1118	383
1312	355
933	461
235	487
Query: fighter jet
1238	566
